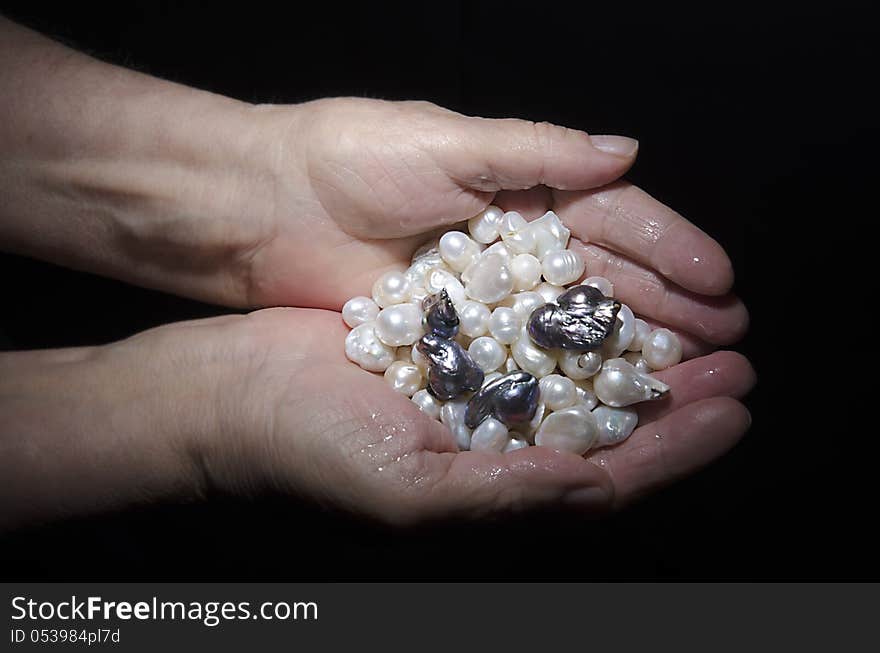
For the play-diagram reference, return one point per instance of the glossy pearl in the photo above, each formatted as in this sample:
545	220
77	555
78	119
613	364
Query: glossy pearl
550	234
621	384
562	267
526	271
622	334
437	279
535	423
419	359
637	361
524	303
615	424
498	248
474	319
405	378
488	353
358	310
642	330
458	250
452	415
532	358
490	435
516	233
490	377
483	227
558	392
549	292
571	429
579	365
510	365
362	346
489	279
662	349
515	441
601	284
424	260
391	288
400	324
427	403
586	396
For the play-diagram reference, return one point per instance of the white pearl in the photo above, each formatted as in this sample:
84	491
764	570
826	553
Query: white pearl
419	359
578	364
362	346
491	376
622	334
516	441
524	303
405	378
511	222
418	295
474	319
601	284
458	250
437	279
483	227
558	391
424	260
427	403
570	429
489	279
637	361
505	325
510	365
586	396
615	424
488	353
531	358
526	271
621	384
516	233
550	234
562	267
549	291
490	435
358	310
452	415
391	288
642	331
497	248
662	349
400	324
535	423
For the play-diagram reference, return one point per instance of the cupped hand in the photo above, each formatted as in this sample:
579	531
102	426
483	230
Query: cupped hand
292	414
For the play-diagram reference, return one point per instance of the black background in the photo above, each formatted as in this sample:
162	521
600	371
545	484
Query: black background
755	121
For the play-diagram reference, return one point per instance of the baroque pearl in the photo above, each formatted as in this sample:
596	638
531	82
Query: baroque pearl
526	271
489	279
423	261
437	279
550	234
510	365
490	435
391	288
571	429
516	233
662	349
586	396
562	267
427	403
490	377
362	346
498	248
637	360
452	415
532	358
549	291
601	284
458	250
488	353
524	303
400	324
621	384
615	424
483	227
642	331
358	310
558	392
516	441
474	318
511	399
579	365
622	334
405	378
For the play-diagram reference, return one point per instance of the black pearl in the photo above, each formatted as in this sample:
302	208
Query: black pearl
511	399
451	370
580	321
441	317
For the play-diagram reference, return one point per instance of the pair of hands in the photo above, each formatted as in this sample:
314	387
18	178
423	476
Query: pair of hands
313	204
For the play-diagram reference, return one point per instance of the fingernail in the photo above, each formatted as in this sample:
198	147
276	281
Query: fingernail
617	145
586	498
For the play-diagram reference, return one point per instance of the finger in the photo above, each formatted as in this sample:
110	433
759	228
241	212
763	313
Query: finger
517	154
718	320
672	447
722	374
476	484
531	203
628	220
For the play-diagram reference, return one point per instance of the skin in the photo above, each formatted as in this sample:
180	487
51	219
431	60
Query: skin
121	174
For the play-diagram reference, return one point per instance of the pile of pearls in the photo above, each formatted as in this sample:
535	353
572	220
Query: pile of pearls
496	276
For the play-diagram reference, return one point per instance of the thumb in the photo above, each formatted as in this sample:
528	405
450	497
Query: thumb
511	154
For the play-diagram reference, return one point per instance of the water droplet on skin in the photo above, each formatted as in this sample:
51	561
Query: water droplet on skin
659	436
696	259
